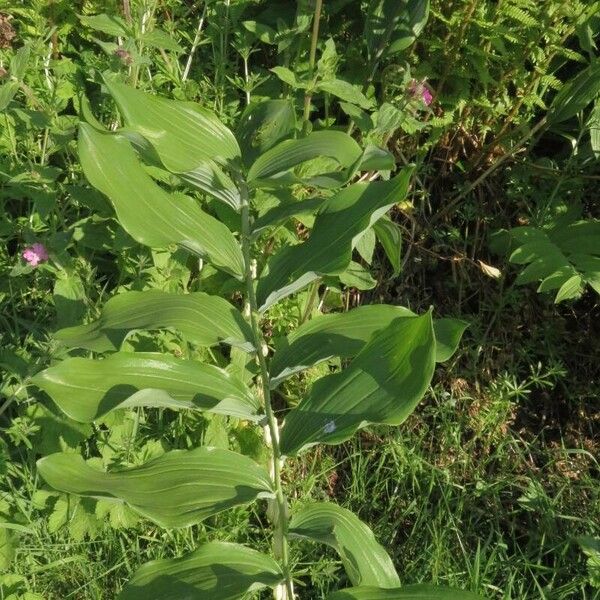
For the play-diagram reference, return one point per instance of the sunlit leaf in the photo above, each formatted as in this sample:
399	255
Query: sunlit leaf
146	211
178	489
216	571
364	559
383	384
407	592
328	250
86	390
201	318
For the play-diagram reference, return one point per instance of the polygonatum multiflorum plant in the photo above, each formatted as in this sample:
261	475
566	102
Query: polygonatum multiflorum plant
389	352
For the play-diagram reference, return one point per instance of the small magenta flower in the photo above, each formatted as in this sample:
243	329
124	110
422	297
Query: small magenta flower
419	91
35	254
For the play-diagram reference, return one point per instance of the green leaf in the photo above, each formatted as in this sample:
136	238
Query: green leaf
178	489
290	153
328	251
283	212
344	335
365	560
86	390
263	32
345	91
264	124
407	592
184	134
209	178
576	94
394	25
563	258
216	571
287	76
148	213
358	277
448	333
110	24
19	62
383	384
7	93
157	38
201	318
390	237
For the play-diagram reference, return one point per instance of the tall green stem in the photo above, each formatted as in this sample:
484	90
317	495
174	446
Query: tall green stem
313	55
280	505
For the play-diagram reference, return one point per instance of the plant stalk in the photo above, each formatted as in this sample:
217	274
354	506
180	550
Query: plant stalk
280	512
313	56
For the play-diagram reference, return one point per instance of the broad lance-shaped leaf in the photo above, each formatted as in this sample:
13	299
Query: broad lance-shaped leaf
383	384
344	335
86	390
201	318
328	250
288	154
146	211
216	571
264	124
364	559
178	489
183	134
407	592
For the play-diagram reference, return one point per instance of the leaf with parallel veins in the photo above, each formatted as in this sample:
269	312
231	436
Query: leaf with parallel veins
178	489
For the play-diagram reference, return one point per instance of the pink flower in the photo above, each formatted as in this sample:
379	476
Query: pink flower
419	91
35	254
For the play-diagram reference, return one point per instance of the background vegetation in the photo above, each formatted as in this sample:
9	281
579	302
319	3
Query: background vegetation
493	484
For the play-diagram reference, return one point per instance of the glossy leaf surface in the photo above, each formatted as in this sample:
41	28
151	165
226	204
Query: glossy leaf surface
216	571
86	390
383	384
178	489
365	560
407	592
345	334
146	211
328	250
202	319
290	153
183	134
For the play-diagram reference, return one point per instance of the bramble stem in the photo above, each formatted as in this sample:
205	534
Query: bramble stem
278	508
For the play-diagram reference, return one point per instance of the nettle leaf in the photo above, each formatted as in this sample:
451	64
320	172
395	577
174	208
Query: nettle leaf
344	335
216	571
407	592
86	390
201	318
365	560
183	134
394	25
272	167
109	24
383	384
563	258
328	251
146	211
264	124
178	489
345	91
